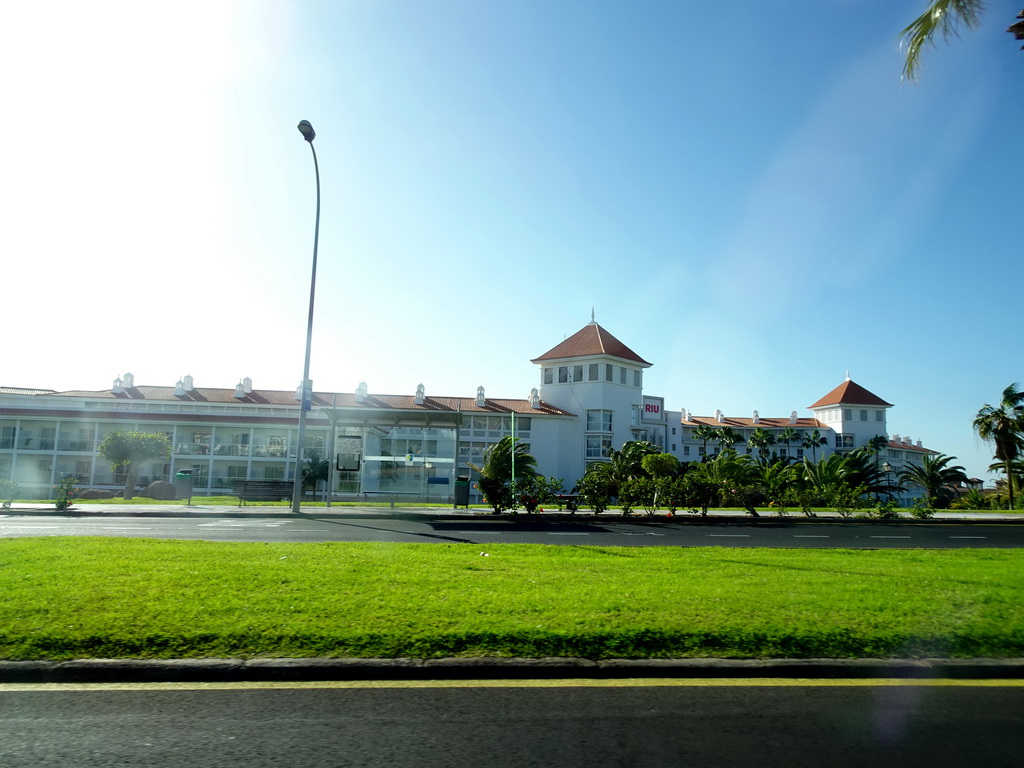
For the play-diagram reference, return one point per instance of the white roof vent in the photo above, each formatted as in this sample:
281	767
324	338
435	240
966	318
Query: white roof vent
420	394
792	417
719	416
361	392
187	381
239	391
129	380
247	385
179	389
756	418
118	386
896	439
534	398
481	399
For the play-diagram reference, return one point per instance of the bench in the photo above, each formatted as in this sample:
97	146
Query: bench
570	501
263	490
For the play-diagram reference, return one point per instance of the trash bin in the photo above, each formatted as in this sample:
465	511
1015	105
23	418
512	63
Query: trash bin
183	484
462	492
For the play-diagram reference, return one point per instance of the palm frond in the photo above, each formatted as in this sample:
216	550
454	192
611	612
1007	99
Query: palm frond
942	17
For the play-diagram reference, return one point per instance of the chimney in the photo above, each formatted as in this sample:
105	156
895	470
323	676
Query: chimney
719	416
756	418
361	392
420	394
179	389
239	391
129	380
481	400
188	383
118	387
247	385
792	417
534	398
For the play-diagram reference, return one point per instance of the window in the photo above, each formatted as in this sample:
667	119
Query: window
636	416
599	421
700	450
598	447
686	450
592	372
636	378
577	373
879	415
273	473
673	447
799	453
622	375
608	372
563	374
863	415
848	414
844	441
548	375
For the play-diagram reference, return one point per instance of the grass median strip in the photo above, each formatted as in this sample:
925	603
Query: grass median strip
66	598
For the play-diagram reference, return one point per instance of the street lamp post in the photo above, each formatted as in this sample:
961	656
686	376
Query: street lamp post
306	388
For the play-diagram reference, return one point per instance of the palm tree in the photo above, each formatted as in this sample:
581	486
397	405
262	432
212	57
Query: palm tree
812	440
727	437
1003	425
937	479
787	436
761	439
704	432
316	471
944	17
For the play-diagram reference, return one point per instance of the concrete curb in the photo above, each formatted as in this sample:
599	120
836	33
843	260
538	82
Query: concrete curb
262	670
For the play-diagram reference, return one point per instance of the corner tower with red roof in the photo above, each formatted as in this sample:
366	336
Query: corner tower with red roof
595	375
854	415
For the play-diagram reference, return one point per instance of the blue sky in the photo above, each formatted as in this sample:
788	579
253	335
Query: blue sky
754	202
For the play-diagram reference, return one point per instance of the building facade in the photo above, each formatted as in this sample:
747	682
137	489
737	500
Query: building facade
590	399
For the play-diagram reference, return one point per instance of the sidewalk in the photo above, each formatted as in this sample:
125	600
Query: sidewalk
179	509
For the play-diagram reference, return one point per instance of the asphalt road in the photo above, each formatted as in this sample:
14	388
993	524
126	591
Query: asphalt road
667	723
769	532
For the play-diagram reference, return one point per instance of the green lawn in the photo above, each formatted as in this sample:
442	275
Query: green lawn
97	597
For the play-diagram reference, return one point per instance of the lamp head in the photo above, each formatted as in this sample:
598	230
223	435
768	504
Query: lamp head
307	131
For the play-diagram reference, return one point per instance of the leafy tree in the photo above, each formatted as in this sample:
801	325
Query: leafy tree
1003	426
936	479
811	441
128	449
530	491
660	465
762	439
595	490
8	492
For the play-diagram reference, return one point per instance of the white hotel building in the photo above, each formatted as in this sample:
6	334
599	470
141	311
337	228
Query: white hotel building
590	399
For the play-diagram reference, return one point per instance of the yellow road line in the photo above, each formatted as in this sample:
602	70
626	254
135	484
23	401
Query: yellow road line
560	683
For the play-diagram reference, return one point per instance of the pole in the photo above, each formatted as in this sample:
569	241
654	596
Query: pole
306	401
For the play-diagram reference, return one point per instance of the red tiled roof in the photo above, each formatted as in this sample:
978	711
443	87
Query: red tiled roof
320	400
850	393
748	423
591	340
